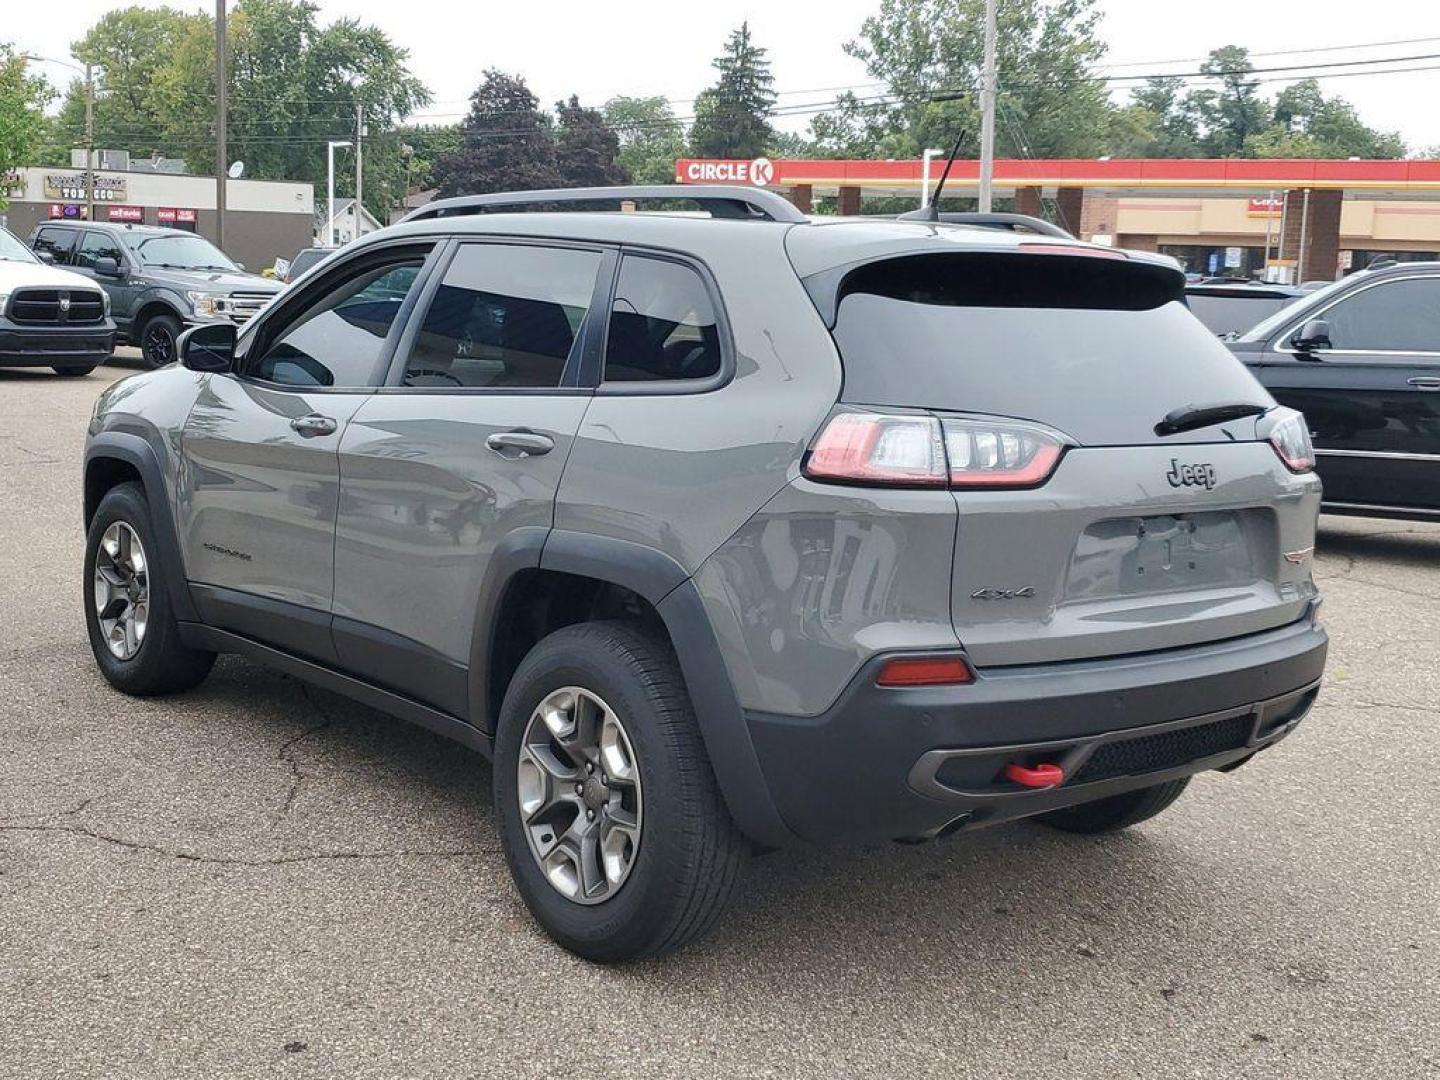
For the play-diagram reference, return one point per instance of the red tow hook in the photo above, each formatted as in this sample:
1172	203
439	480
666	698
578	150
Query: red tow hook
1041	776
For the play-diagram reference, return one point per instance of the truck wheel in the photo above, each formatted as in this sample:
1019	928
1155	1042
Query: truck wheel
1118	811
158	338
75	372
613	824
127	603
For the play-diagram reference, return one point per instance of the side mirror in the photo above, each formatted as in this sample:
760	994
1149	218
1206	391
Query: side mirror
209	347
106	266
1315	334
47	257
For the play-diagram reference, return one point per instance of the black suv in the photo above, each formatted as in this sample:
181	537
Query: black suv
159	280
1361	360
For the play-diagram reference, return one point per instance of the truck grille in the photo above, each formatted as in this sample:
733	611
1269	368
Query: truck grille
241	306
1165	750
48	307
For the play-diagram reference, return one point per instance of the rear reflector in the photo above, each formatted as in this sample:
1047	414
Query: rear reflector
925	671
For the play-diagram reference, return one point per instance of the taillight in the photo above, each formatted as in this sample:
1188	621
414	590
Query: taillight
905	671
904	450
1000	453
1290	438
876	448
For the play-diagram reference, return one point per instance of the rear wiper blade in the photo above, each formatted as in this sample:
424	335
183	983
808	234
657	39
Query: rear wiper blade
1190	417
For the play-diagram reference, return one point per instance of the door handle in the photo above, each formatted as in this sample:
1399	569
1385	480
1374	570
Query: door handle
519	443
314	424
1425	382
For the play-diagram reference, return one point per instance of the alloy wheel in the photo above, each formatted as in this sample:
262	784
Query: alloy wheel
579	794
122	590
159	346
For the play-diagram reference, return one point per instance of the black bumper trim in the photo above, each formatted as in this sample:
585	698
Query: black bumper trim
847	773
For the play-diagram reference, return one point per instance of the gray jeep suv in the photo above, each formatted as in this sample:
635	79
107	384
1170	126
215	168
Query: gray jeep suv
728	531
159	280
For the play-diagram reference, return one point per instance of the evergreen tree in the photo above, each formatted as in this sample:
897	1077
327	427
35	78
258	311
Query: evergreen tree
732	118
586	147
506	143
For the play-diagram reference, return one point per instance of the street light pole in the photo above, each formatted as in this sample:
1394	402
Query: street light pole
330	190
359	184
222	166
89	142
987	112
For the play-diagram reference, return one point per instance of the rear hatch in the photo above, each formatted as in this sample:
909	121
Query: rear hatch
1137	537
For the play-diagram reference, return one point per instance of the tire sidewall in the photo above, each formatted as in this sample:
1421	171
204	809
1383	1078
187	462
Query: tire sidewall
626	922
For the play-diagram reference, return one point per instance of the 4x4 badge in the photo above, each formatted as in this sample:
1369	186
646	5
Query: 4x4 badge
1198	475
1003	594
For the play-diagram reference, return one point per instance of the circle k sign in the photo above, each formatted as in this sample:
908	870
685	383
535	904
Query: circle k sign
760	172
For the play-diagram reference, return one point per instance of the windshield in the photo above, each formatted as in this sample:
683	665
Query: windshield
13	249
178	252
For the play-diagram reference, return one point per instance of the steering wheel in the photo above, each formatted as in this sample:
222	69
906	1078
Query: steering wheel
434	373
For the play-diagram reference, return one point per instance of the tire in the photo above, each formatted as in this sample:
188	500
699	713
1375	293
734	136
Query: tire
161	663
689	856
158	339
1118	811
75	372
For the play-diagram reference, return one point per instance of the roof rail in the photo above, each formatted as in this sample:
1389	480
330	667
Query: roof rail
743	203
1007	222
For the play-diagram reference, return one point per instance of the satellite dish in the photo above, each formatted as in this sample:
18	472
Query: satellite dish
237	170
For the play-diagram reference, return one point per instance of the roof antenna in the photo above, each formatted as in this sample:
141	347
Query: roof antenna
931	210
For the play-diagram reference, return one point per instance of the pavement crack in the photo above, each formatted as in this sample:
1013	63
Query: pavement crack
298	776
227	860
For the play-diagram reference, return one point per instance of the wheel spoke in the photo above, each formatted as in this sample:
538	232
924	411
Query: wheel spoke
578	788
122	590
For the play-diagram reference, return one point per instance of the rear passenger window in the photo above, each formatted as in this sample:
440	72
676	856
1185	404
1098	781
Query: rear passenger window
58	242
505	316
662	324
1398	316
97	245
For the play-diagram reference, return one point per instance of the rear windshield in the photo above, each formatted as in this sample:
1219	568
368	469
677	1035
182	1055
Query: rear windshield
1235	314
1100	348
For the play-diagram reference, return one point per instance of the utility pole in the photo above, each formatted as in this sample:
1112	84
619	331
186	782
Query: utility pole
222	166
330	190
359	135
89	142
987	112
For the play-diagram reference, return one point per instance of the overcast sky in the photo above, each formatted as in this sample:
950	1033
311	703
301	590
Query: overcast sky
598	49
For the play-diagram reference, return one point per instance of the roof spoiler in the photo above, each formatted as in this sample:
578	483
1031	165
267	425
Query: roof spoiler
735	203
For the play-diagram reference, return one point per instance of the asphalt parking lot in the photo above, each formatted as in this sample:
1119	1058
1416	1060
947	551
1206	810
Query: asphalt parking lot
259	879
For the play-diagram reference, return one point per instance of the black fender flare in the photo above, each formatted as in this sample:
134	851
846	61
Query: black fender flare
663	582
140	455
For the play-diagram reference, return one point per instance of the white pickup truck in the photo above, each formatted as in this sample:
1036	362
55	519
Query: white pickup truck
50	317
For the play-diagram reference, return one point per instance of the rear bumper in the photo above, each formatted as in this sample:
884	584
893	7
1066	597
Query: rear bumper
45	346
885	763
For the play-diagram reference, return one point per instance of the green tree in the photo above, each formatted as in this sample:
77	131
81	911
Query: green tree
732	118
23	98
1236	111
927	56
1308	124
586	147
1162	109
651	138
506	143
294	84
421	146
